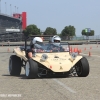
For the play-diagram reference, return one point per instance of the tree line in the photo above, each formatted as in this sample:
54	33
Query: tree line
67	32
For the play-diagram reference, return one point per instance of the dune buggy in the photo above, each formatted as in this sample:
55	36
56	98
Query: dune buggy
48	63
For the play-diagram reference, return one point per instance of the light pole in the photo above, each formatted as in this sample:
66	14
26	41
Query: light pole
15	9
5	8
10	10
0	6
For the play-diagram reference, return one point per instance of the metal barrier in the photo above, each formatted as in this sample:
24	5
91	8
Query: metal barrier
96	37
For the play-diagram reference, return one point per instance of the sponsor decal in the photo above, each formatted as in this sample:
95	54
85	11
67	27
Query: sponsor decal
61	68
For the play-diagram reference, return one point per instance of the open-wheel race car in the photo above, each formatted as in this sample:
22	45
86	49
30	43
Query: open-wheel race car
48	60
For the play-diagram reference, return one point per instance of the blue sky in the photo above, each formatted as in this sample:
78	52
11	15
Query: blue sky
58	13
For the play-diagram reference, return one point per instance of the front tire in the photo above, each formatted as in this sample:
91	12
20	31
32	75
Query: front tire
14	65
31	69
82	67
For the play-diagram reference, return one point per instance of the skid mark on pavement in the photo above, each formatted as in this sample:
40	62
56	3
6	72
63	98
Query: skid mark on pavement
66	87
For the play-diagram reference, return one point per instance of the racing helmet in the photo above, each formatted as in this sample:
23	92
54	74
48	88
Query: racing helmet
36	41
56	40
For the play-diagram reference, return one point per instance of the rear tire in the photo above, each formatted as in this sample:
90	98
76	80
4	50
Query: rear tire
82	68
31	69
14	65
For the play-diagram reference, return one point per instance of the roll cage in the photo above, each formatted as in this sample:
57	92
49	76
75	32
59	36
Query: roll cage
26	38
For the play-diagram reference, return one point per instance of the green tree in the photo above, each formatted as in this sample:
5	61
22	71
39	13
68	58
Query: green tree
83	32
50	31
31	30
68	31
91	33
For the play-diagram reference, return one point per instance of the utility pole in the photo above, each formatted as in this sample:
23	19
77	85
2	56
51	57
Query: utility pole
5	8
0	6
15	9
10	10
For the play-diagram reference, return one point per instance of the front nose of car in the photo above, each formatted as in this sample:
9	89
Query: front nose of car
60	65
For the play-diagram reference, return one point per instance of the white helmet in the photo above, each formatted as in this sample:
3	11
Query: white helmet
37	40
56	40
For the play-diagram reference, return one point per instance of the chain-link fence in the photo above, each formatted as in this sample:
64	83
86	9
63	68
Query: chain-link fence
96	37
19	37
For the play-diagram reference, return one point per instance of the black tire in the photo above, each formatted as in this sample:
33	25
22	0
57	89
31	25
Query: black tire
15	65
82	68
33	69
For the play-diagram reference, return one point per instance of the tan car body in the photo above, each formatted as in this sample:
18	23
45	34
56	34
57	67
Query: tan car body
63	63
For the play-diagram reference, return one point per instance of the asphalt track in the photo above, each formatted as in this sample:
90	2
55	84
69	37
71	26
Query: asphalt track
70	88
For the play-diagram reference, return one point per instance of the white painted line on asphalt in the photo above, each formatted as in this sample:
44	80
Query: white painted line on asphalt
91	55
66	87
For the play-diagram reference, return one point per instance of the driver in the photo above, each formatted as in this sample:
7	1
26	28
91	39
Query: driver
55	44
35	46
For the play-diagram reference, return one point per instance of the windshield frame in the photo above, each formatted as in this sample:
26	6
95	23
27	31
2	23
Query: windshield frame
46	47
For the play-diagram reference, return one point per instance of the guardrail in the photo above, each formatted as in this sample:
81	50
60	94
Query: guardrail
22	43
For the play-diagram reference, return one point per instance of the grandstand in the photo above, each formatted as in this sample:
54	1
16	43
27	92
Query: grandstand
11	26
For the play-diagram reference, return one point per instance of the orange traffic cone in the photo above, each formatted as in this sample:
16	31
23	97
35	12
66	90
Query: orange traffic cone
70	49
8	50
78	52
89	53
84	48
75	50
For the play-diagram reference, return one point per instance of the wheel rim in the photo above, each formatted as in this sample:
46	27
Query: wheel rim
27	69
10	65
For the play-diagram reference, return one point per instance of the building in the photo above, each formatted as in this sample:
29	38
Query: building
11	27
